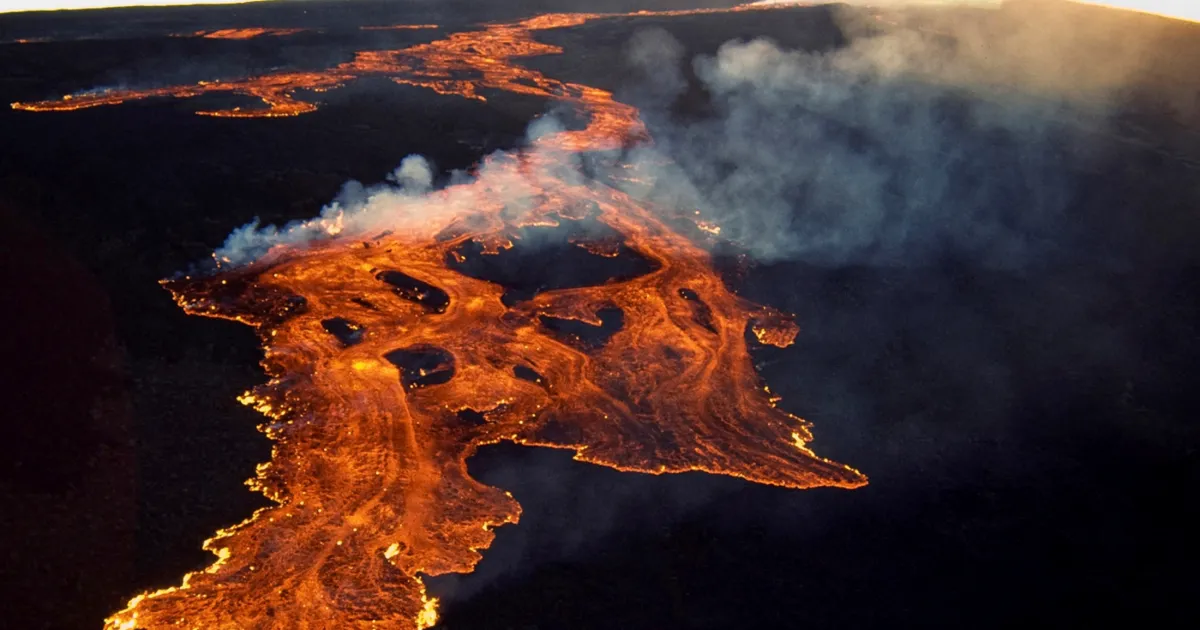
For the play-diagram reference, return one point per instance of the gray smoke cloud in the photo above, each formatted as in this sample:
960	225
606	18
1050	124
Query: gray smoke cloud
937	131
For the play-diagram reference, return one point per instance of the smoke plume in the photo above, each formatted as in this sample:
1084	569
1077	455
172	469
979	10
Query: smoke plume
959	131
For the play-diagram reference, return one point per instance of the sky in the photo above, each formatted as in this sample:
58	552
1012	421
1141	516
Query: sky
10	6
1183	9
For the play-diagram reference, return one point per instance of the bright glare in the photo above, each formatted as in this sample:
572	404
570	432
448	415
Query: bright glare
1181	9
12	6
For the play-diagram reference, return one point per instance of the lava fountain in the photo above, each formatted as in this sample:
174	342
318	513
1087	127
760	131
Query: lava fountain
392	358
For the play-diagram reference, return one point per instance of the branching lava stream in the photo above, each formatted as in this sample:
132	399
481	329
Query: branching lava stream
390	365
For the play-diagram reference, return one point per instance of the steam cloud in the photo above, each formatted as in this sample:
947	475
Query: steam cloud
355	210
960	136
407	199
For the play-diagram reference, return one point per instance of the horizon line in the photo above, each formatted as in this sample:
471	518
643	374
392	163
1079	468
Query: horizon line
40	6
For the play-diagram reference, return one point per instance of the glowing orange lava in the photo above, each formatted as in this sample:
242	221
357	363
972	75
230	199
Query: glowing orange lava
248	33
389	365
450	66
399	27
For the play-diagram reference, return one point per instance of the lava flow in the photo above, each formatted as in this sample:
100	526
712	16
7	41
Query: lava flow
398	27
393	356
247	33
461	64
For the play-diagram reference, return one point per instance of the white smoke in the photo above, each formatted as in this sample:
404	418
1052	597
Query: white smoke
357	210
406	203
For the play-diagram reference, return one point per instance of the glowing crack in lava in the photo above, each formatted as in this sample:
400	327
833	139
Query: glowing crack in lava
392	358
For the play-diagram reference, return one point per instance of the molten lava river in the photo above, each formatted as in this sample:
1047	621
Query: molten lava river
392	357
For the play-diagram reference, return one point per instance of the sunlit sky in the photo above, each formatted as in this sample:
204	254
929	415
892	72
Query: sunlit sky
1184	9
10	6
